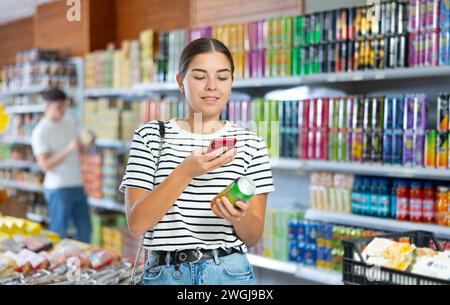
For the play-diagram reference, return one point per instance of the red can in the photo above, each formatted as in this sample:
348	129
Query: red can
303	148
311	144
321	144
303	114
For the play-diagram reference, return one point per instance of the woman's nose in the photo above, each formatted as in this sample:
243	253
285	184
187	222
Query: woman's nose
211	84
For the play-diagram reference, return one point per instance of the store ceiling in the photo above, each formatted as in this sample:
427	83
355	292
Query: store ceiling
15	9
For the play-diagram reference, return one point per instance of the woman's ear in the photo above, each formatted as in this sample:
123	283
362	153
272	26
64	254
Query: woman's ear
180	83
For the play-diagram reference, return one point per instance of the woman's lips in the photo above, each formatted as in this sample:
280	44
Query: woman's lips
210	100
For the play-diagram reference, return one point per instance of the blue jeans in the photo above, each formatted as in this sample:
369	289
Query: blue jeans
233	269
67	205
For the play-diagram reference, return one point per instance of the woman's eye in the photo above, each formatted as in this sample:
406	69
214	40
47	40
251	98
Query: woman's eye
222	78
199	77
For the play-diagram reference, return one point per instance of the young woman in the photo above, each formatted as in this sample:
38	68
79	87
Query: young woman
190	242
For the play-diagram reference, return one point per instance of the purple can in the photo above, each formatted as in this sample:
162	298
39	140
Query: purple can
408	148
419	148
348	140
422	21
408	114
387	146
420	112
388	122
413	50
398	105
397	146
432	14
349	109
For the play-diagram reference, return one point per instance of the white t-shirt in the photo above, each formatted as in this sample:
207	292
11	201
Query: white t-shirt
53	137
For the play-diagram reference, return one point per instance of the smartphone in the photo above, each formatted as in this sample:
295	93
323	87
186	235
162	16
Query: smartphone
221	142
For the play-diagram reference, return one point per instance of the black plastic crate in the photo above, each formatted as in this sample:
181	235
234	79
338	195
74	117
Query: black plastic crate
359	273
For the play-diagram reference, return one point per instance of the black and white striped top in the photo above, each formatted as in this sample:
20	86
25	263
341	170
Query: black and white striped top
190	223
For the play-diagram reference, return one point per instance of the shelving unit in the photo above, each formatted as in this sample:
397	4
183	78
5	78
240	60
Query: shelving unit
106	204
17	140
22	186
375	222
304	272
393	171
20	164
25	109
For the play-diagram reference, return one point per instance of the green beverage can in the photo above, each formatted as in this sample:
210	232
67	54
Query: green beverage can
297	22
296	62
334	146
241	189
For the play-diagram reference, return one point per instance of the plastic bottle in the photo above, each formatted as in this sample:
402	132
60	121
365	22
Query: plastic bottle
429	198
384	199
442	206
373	197
393	211
365	196
356	196
416	202
402	201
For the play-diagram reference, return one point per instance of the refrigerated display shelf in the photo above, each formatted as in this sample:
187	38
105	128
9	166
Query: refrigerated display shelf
304	272
374	169
22	186
33	90
106	204
375	222
321	78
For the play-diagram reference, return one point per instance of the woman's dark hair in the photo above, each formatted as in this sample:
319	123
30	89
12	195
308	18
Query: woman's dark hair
54	95
201	46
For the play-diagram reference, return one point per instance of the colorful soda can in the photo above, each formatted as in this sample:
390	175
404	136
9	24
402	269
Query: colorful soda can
444	14
367	146
408	148
430	148
311	144
442	150
367	123
358	112
398	107
397	146
418	148
334	113
420	112
357	146
412	50
387	146
443	112
388	113
444	47
402	59
322	112
241	189
343	112
334	146
321	144
377	146
377	112
408	114
432	48
342	145
303	144
303	114
349	110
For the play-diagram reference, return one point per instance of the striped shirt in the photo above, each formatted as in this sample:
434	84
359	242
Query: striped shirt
190	223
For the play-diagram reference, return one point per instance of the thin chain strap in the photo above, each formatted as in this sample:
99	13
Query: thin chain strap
134	280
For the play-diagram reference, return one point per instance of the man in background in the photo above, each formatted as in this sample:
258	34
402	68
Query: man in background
56	147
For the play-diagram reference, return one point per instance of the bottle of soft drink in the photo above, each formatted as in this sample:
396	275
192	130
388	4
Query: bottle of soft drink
393	211
416	202
365	196
402	201
373	197
429	198
356	196
384	199
442	206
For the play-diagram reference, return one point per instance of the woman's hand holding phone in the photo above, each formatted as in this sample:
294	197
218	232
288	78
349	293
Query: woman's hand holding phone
200	161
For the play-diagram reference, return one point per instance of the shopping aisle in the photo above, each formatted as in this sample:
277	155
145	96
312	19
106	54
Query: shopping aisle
351	100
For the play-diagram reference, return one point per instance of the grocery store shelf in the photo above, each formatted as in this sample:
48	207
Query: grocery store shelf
25	109
15	140
308	273
375	222
23	91
20	164
355	76
115	144
106	204
368	169
20	186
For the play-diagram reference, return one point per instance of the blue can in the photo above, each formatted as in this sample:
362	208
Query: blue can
311	234
301	252
397	147
293	230
293	251
387	146
301	230
398	107
310	255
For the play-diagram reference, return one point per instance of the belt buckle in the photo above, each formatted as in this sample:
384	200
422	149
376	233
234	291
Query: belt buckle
199	256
